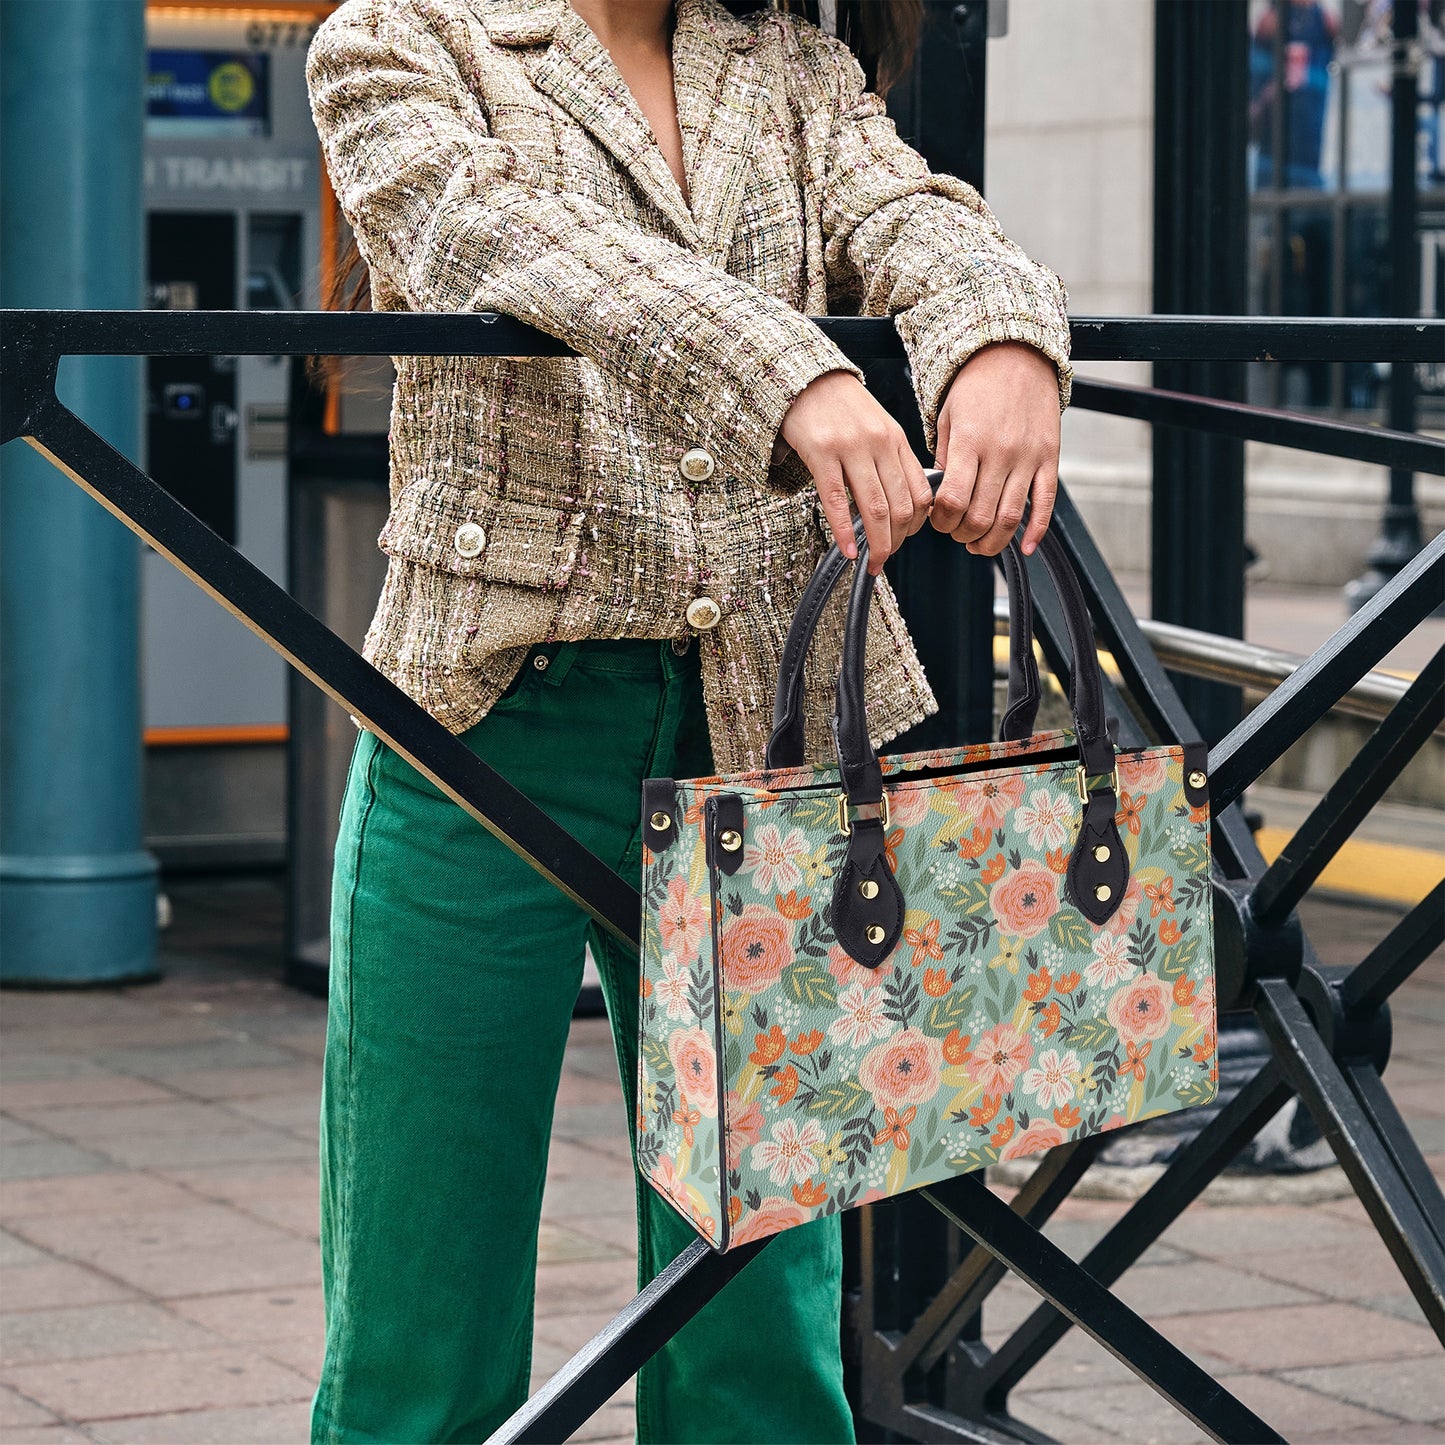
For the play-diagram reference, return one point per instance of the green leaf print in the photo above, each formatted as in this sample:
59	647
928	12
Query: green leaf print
1069	930
1192	858
969	935
841	1097
655	1052
1090	1033
1198	1091
949	1012
811	984
1175	962
967	897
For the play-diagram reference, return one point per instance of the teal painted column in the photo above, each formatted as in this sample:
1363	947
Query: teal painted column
77	889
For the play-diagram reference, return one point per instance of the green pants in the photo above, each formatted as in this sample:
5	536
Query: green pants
454	969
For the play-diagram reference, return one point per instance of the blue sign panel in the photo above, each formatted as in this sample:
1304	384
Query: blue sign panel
208	93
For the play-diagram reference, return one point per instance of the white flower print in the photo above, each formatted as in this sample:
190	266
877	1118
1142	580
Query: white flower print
1111	961
773	858
860	1017
1051	1080
790	1155
672	988
1044	818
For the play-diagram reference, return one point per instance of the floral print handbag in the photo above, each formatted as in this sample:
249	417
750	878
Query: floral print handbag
862	978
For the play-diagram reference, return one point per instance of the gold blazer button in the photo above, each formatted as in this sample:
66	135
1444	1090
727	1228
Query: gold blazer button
702	613
696	464
470	539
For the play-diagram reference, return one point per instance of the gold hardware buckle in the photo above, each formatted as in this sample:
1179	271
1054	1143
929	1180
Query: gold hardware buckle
845	827
1084	783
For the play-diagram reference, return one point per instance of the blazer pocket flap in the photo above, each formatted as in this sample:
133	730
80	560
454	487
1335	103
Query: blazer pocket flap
528	543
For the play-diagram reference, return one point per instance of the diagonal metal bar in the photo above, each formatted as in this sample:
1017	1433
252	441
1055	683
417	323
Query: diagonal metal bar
1350	797
1194	1167
1103	1316
1295	705
963	1293
1367	1162
1375	445
311	647
1396	956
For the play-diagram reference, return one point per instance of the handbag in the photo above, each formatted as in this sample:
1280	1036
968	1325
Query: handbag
864	976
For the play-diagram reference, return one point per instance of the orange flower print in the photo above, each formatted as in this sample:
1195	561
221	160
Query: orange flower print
735	1208
1038	985
791	906
1130	807
772	857
982	1115
890	849
1046	818
757	946
895	1127
1024	900
1183	990
745	1127
1039	1136
1136	1061
861	1017
1168	932
902	1070
772	1216
955	1047
768	1048
993	869
975	844
936	982
924	941
1001	1056
647	988
1067	982
784	1085
790	1156
811	1194
682	917
1004	1132
1067	1117
1050	1018
1142	775
1057	859
687	1118
691	1052
1140	1010
1160	896
805	1043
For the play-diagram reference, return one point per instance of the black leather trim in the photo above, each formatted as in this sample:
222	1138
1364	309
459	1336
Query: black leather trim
1021	707
1086	873
850	914
659	795
724	813
1196	760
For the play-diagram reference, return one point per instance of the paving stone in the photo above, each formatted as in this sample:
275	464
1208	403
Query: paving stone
1174	1289
91	1330
556	1244
1076	1237
57	1283
1401	1433
1302	1414
48	1158
587	1121
302	1355
1221	1232
15	1252
90	1194
95	1124
221	1053
285	1263
567	1196
17	1065
1410	1389
16	1131
296	1113
1130	1413
246	1181
1367	1269
257	1316
570	1157
16	1411
585	1285
119	1385
113	1242
1400	1306
45	1435
24	1097
144	1030
247	1083
257	1425
296	1216
235	1144
617	1230
1292	1335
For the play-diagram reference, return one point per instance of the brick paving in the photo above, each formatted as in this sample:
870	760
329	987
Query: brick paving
159	1277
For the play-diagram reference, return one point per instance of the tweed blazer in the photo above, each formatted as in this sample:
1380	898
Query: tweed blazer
489	157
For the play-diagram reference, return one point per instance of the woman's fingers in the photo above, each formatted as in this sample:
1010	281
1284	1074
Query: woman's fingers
918	489
955	491
833	495
1008	511
1045	490
871	498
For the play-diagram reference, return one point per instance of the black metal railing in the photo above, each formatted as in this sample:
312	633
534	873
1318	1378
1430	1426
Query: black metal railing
919	1366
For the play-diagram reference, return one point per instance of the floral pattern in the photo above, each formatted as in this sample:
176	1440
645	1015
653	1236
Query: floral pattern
779	1080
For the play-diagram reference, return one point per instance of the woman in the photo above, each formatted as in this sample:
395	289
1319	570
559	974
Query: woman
593	561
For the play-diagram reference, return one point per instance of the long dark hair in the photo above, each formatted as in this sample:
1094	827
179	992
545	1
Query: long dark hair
883	34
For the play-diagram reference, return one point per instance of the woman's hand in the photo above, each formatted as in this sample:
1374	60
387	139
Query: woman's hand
850	444
998	444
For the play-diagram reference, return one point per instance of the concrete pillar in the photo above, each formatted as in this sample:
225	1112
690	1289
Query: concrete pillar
77	889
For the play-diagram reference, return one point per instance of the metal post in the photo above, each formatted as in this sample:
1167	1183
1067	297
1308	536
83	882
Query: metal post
77	889
1400	535
1200	230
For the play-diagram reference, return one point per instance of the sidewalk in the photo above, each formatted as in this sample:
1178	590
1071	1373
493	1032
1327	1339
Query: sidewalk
160	1270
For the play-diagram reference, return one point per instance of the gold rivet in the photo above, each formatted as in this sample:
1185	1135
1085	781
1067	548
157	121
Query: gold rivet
1103	893
868	888
1197	779
875	933
661	822
731	840
1101	853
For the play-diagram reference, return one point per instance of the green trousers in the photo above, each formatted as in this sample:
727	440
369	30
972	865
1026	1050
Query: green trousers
454	970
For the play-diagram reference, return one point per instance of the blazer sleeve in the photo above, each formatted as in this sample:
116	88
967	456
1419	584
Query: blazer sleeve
455	219
925	248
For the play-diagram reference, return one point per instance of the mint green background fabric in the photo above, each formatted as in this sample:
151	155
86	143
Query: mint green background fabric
454	968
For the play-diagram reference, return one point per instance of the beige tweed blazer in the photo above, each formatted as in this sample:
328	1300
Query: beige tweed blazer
489	157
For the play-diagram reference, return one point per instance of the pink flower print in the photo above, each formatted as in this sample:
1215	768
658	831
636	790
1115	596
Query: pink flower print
790	1156
691	1052
1051	1080
1046	818
1025	898
993	799
1001	1056
672	988
683	920
1040	1135
905	1069
772	1216
908	806
860	1017
847	970
1142	775
745	1127
1128	909
757	946
665	1177
772	858
1141	1009
1110	965
1202	1006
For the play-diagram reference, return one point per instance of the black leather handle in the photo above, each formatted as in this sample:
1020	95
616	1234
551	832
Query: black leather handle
786	744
